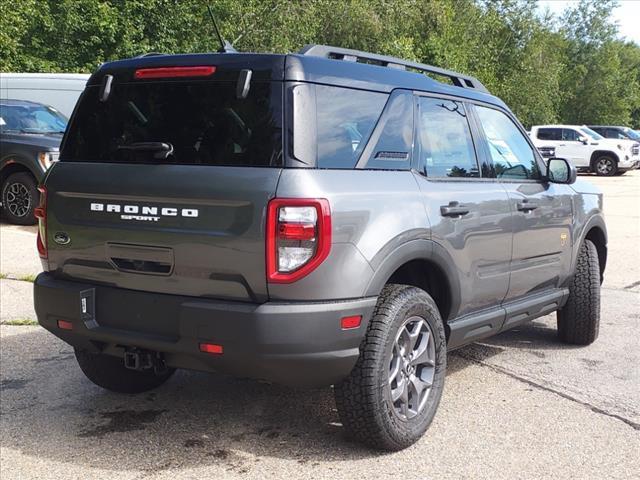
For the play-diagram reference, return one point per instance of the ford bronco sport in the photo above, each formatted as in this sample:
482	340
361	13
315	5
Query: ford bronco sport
330	217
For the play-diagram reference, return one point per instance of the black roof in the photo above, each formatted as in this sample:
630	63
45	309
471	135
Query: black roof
317	64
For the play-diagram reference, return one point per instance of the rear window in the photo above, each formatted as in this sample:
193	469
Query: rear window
176	122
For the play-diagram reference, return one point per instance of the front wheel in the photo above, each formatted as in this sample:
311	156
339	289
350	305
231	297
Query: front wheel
19	198
391	396
605	166
579	319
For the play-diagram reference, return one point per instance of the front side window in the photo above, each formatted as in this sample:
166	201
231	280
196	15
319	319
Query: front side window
345	120
178	122
510	152
570	135
445	142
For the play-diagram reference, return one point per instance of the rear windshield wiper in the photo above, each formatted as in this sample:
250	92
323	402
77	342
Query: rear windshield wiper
162	150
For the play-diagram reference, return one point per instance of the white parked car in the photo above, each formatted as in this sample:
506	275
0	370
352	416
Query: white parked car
586	149
59	90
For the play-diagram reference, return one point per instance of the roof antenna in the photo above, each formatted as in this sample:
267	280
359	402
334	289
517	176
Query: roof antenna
225	47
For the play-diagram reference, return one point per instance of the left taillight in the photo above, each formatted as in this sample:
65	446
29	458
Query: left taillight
298	237
40	213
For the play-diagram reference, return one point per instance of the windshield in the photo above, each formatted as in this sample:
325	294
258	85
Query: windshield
591	133
31	119
632	134
180	122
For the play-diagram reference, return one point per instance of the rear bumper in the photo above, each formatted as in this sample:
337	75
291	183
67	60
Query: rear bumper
289	343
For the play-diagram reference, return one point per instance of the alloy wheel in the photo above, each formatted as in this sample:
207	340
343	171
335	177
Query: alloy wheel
605	166
18	199
411	368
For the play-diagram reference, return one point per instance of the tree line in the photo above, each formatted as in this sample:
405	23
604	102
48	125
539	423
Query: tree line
569	68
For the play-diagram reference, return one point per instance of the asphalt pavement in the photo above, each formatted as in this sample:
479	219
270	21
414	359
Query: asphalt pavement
519	405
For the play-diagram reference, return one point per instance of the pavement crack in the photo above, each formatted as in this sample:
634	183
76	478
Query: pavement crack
593	408
634	284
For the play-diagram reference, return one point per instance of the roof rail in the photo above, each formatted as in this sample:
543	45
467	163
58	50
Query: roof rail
348	55
150	54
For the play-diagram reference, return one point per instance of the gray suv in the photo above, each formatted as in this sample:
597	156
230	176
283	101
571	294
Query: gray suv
330	217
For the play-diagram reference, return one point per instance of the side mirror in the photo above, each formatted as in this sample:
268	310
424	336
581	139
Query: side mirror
584	140
559	170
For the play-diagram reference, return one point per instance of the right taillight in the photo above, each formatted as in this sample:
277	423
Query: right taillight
298	237
40	213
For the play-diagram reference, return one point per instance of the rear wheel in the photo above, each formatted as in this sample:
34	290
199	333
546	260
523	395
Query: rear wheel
391	396
605	166
110	373
579	319
19	198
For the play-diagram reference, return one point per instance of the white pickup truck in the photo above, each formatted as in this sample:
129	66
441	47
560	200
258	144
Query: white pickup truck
586	149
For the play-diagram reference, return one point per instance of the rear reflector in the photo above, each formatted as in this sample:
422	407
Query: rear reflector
173	72
350	322
211	348
65	325
40	212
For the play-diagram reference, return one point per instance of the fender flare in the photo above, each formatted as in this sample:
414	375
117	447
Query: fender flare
596	220
418	249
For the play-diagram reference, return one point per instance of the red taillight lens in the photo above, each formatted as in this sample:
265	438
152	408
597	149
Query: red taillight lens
298	237
173	72
41	214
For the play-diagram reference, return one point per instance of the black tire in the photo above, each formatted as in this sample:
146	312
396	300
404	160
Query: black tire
110	373
605	166
364	399
20	197
579	319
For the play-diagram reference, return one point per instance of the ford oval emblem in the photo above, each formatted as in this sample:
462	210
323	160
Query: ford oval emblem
61	238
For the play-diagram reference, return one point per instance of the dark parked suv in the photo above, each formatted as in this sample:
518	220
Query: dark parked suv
327	217
30	135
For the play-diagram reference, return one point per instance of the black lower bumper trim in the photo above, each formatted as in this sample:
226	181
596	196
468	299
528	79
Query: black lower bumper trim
289	343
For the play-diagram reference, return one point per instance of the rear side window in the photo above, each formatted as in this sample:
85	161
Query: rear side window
446	145
345	120
176	122
550	134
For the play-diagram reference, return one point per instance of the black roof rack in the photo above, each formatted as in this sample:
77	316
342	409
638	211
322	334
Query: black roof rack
346	54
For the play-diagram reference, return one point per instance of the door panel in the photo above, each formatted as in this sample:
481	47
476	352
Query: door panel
479	242
541	211
541	237
469	214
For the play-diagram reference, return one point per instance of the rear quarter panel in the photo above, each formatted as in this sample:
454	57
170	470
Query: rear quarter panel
371	210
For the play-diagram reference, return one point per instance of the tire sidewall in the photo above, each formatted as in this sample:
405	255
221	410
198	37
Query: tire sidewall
405	432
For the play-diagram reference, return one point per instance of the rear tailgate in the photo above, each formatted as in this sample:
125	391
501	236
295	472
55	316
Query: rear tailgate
163	186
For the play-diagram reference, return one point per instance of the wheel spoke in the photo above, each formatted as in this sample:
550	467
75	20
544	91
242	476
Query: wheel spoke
423	354
399	391
414	335
396	366
418	386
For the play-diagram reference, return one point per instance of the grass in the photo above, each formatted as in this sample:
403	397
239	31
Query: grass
20	322
23	278
27	278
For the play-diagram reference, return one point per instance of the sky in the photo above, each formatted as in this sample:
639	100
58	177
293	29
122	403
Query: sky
627	14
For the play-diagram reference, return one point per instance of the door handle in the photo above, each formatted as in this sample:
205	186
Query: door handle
527	206
454	209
